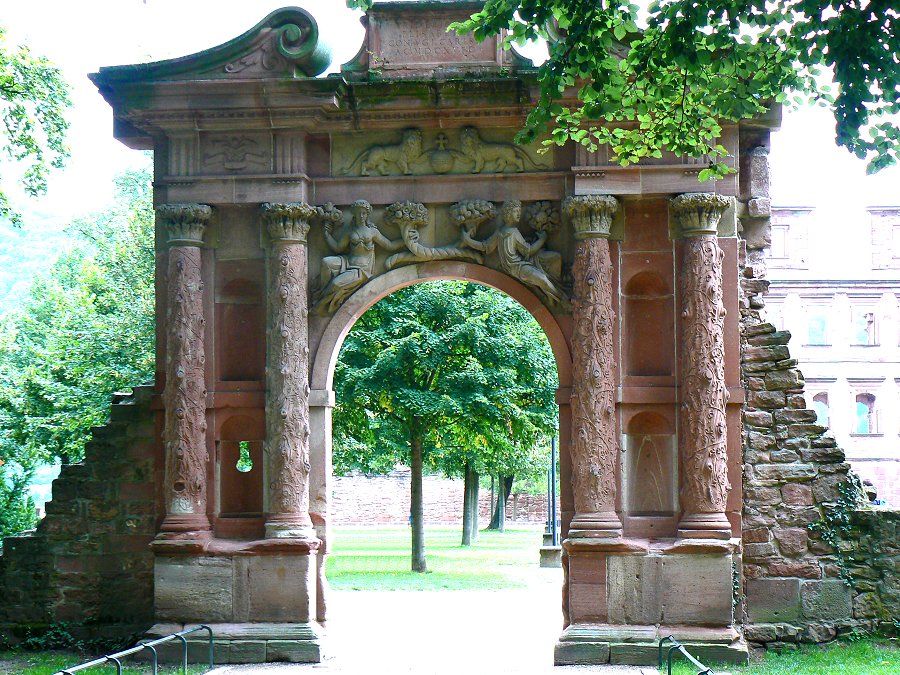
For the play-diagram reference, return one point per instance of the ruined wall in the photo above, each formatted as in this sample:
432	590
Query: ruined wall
794	471
89	561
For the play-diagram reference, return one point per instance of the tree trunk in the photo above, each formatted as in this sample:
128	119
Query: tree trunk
470	506
416	510
498	520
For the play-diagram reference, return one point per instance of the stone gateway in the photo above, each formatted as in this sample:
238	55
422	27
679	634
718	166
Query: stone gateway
287	204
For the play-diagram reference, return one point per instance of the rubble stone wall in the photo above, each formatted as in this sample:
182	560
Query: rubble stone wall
88	562
796	587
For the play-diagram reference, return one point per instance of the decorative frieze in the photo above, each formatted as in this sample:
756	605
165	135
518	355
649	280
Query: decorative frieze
287	373
184	397
594	440
703	433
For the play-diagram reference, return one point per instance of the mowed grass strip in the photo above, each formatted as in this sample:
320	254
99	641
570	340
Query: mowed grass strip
870	656
49	662
378	559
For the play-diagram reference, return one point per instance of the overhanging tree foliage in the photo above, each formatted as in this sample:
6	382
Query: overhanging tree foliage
84	331
666	79
33	98
447	375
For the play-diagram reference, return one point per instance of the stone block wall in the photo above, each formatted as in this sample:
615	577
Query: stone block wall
794	586
88	562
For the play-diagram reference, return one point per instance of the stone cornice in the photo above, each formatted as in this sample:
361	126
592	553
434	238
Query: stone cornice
591	215
185	223
698	213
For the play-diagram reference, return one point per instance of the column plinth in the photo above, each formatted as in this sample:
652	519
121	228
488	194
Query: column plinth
703	394
184	397
594	438
287	373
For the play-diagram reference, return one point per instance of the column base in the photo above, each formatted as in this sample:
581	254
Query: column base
192	524
704	526
597	644
603	525
244	643
289	527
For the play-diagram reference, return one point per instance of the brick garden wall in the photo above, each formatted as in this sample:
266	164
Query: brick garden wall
793	588
89	560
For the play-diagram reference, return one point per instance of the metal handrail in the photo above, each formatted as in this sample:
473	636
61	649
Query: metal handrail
151	646
676	646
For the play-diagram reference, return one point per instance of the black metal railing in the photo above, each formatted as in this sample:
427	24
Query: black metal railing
148	646
676	646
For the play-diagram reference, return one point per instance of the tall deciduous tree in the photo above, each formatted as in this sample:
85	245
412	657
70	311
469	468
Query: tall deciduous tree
666	79
33	98
441	374
84	331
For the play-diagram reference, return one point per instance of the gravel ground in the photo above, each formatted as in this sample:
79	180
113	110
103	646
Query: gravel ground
434	632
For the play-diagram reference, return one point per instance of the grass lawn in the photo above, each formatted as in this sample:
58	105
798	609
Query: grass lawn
49	662
377	559
862	657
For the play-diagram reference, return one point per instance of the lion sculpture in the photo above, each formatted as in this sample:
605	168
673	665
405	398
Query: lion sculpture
498	157
379	157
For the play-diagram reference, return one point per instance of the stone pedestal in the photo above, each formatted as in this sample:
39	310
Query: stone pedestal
551	556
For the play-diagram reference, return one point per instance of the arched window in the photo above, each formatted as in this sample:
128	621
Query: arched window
865	420
820	405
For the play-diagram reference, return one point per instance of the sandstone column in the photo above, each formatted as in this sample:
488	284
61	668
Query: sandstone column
287	373
594	441
701	366
184	397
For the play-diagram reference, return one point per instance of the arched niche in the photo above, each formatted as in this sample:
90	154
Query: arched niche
240	330
649	326
239	473
650	472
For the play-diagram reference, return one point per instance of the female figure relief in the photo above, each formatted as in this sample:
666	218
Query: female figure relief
343	274
526	262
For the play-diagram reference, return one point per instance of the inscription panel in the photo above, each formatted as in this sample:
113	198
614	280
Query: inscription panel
404	42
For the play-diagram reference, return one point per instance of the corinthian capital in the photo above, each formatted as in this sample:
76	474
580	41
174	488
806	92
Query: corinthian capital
591	215
288	223
185	223
699	213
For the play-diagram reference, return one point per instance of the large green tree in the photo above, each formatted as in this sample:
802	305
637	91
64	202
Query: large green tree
666	78
447	375
33	99
84	331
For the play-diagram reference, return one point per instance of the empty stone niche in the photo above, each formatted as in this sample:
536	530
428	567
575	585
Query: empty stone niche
240	327
649	325
650	495
239	471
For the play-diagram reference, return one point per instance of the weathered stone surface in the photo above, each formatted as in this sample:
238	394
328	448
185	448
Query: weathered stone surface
767	400
784	456
801	570
246	651
794	416
580	653
783	380
797	495
193	588
760	441
773	600
766	353
629	653
791	540
696	590
779	337
828	599
294	651
760	632
785	472
757	536
816	632
758	418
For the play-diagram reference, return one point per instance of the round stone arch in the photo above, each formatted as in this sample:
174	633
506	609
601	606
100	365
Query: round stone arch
327	336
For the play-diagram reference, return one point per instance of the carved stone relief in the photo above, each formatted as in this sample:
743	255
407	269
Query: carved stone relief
594	440
235	153
287	372
528	261
702	438
184	398
419	152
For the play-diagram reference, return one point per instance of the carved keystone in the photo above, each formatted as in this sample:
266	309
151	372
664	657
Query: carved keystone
591	215
185	223
288	223
699	213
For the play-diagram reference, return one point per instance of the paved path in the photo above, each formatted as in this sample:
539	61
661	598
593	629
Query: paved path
442	632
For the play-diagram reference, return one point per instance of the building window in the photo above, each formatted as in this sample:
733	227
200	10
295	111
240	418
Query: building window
864	327
820	405
865	420
817	326
779	242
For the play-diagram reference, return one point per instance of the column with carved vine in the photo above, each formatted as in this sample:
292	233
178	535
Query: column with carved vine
594	438
287	372
703	457
184	397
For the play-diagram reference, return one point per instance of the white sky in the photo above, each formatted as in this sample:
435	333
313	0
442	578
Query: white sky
82	36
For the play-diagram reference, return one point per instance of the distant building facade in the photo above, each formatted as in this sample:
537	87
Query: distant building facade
837	290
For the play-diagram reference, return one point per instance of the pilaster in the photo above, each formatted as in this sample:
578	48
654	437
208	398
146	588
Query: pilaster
701	365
